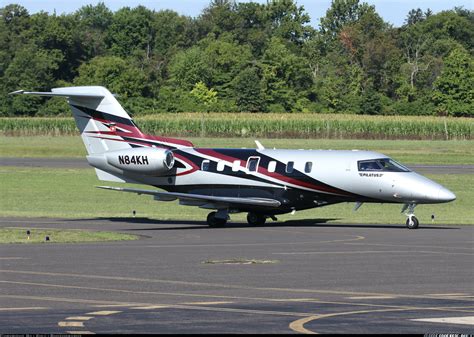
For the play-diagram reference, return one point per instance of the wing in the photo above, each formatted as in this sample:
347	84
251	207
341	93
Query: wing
203	201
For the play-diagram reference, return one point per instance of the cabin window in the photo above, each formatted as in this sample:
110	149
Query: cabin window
236	165
205	165
383	164
252	164
220	165
308	166
272	166
290	167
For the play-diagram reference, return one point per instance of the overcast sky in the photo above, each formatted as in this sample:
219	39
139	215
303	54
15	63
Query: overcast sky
393	11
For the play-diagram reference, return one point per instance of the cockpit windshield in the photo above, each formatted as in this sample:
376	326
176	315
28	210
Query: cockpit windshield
383	164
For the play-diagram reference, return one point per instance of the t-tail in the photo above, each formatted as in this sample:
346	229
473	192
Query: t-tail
106	129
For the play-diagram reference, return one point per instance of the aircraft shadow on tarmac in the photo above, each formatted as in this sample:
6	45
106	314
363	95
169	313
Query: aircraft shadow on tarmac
193	225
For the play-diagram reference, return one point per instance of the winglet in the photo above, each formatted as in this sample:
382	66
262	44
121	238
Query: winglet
18	92
259	145
110	188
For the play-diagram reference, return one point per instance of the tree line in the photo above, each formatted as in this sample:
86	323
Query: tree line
242	57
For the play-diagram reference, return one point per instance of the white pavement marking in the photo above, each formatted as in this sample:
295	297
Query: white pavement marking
111	305
294	299
14	258
206	303
79	318
81	332
469	320
376	252
20	309
450	295
74	324
370	297
151	307
103	313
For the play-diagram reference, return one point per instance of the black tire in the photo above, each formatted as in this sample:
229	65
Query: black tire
415	223
214	222
255	219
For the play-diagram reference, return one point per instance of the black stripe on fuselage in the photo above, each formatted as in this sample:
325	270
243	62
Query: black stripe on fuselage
105	116
197	161
245	154
148	142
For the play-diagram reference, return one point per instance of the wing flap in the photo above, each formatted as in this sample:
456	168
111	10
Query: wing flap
199	199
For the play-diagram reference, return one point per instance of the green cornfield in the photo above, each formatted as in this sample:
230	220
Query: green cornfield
269	125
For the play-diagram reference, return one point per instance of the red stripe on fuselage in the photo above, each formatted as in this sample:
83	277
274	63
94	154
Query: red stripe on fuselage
135	132
194	167
263	171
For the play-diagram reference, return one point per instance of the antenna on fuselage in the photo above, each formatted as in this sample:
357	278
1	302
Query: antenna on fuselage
357	206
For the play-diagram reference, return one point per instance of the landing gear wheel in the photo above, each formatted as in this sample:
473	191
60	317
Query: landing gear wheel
412	222
214	222
255	219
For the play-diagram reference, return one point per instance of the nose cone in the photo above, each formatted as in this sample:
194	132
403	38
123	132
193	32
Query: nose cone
418	189
445	195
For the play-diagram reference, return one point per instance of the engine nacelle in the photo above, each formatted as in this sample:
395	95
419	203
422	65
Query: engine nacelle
150	161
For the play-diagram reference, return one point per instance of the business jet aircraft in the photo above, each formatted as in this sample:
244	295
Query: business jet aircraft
262	182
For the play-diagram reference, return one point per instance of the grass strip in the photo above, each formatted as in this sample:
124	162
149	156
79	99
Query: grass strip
48	235
70	193
435	152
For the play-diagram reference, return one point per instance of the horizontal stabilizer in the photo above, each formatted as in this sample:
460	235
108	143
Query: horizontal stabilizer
63	93
205	199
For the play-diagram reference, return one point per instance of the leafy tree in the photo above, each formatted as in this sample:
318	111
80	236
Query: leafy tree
226	59
114	73
131	31
189	67
285	76
255	56
15	17
252	26
93	22
370	103
454	89
450	25
30	69
289	21
341	13
57	34
414	16
219	17
172	32
204	95
247	90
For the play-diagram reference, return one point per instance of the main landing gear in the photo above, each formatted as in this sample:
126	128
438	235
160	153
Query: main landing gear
219	219
216	220
412	221
255	219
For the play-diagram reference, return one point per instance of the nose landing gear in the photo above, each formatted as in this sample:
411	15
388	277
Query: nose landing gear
412	221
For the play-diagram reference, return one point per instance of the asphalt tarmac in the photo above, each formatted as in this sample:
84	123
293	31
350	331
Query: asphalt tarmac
290	277
82	163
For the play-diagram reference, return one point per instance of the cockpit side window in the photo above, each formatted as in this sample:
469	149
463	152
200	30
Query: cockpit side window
383	165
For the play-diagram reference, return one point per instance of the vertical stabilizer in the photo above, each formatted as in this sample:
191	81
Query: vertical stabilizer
105	126
103	123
